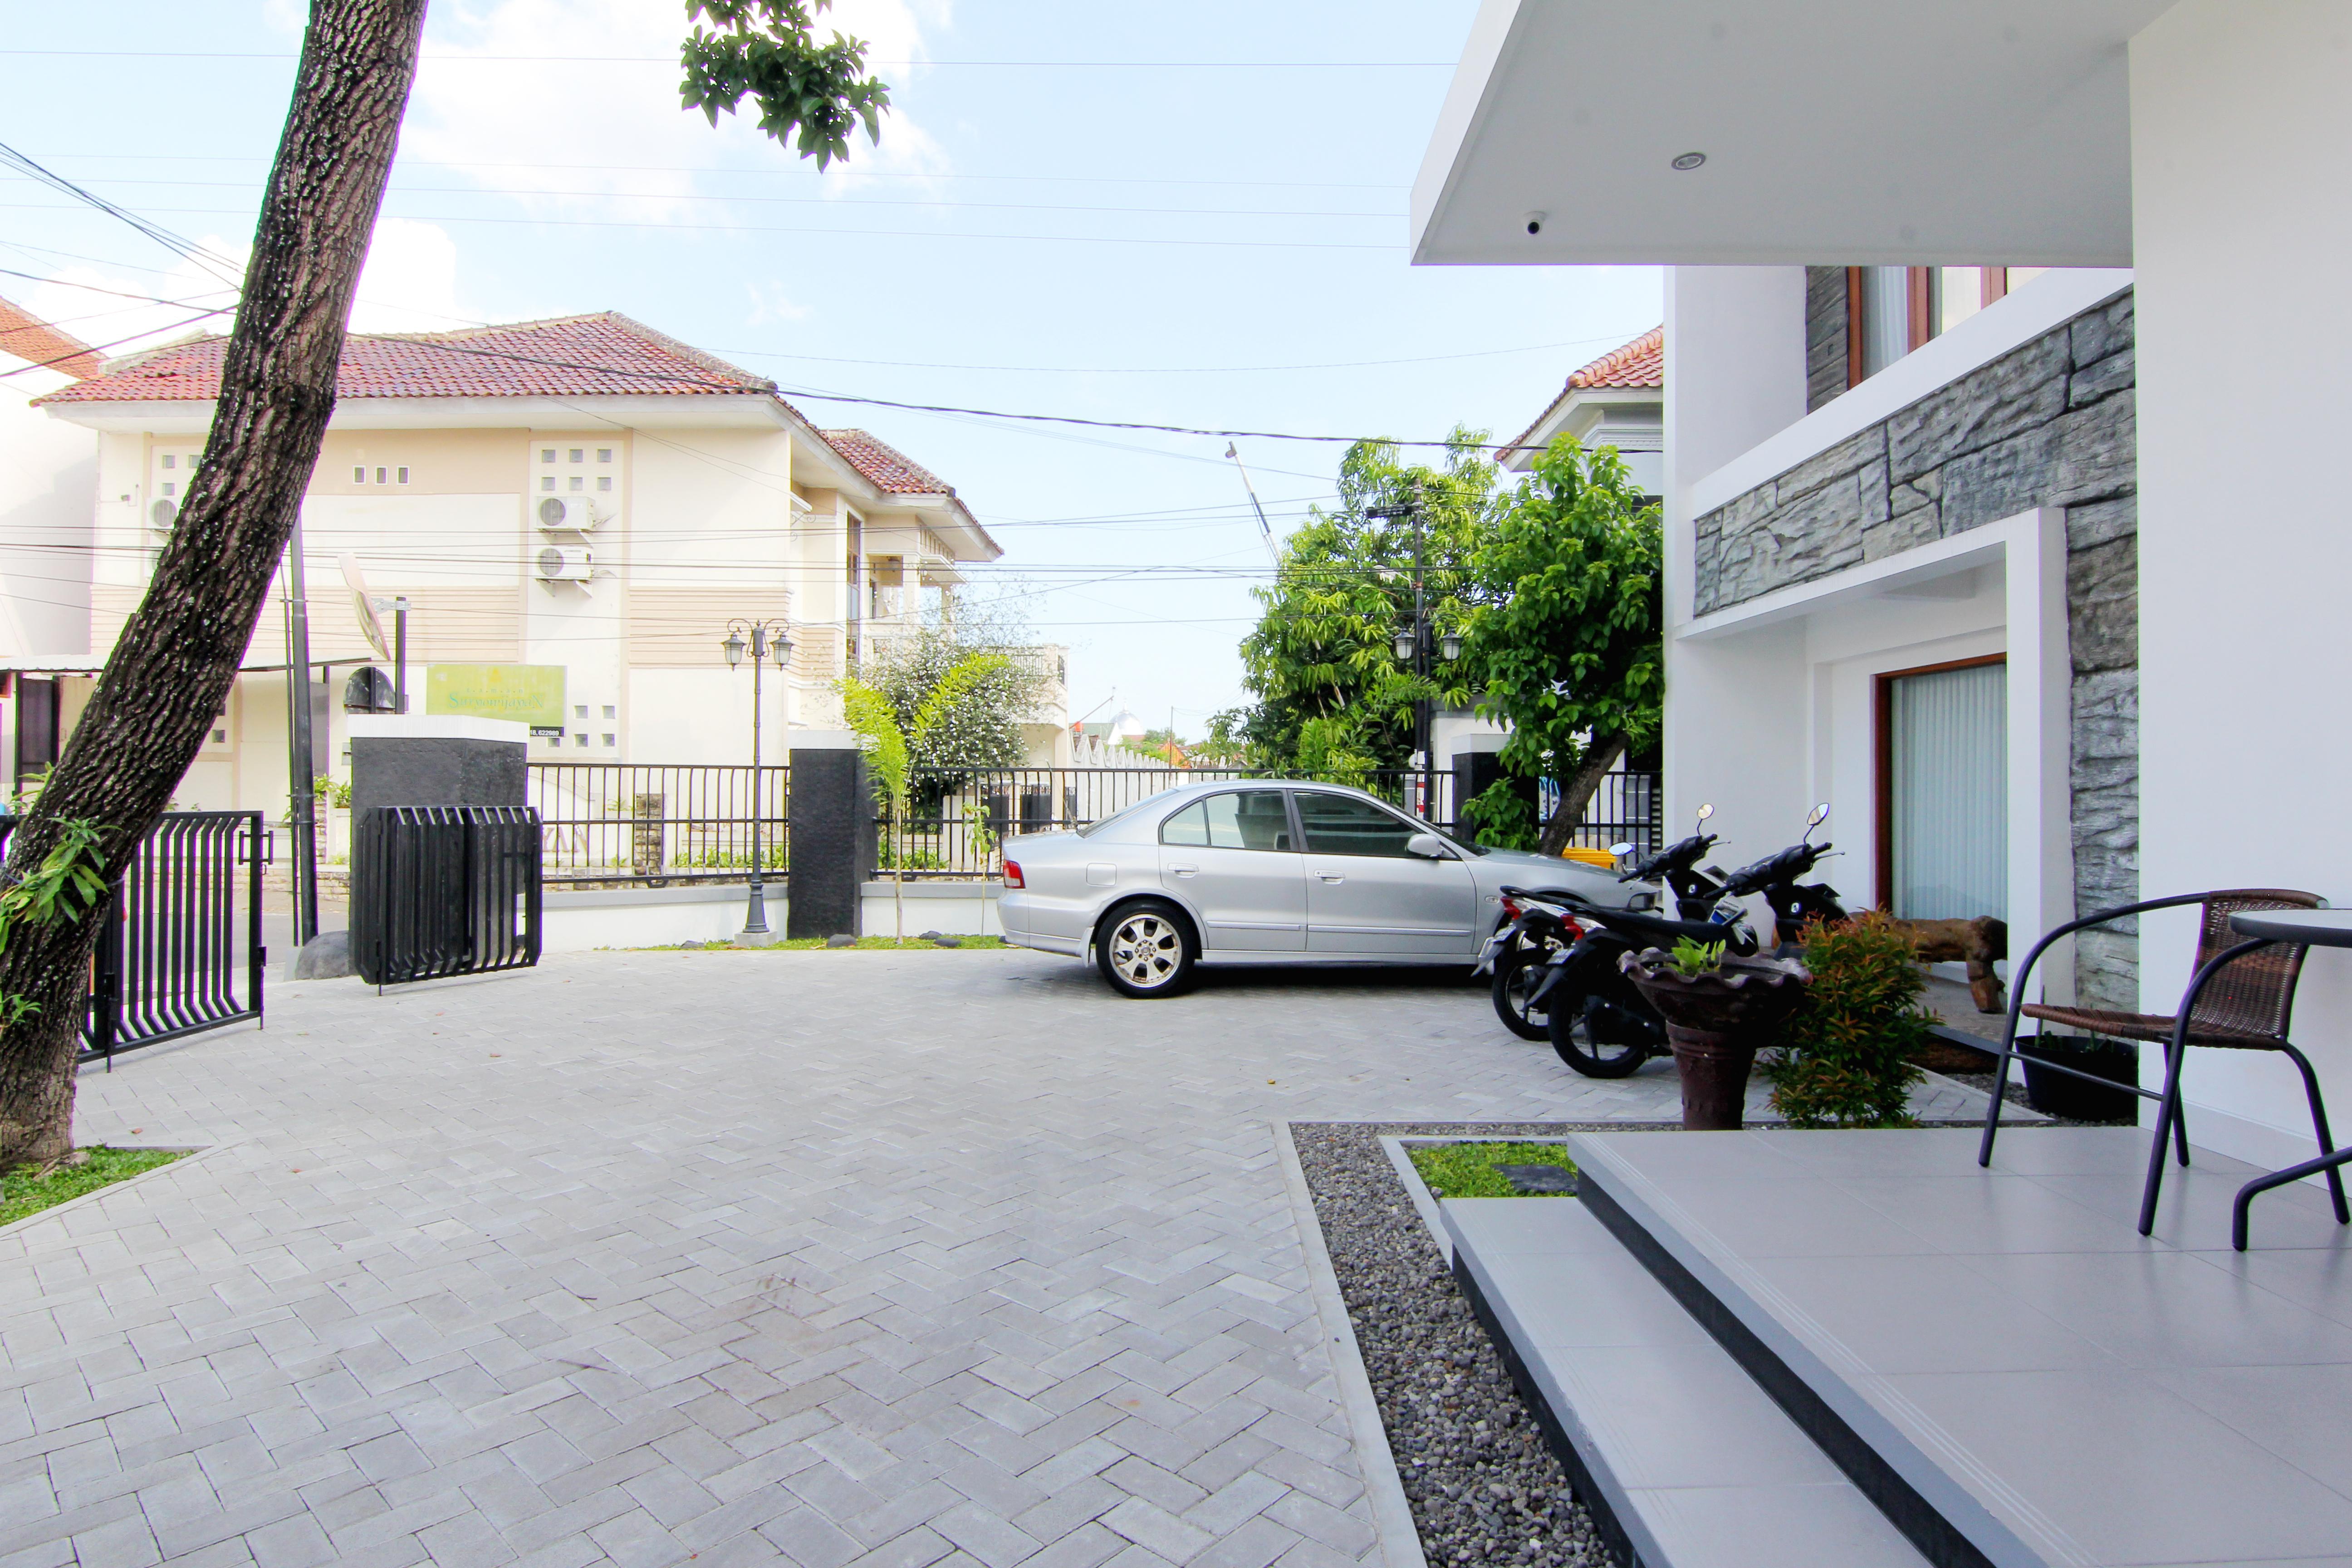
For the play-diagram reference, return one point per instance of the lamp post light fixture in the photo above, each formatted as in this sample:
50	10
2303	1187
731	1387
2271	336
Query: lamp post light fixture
760	640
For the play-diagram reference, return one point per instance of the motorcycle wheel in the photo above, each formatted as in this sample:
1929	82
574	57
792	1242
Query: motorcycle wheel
1572	1040
1516	973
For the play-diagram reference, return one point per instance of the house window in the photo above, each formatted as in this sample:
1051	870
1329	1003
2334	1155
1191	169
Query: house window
577	454
604	482
170	461
403	475
1891	311
547	454
608	740
168	487
547	483
378	475
603	454
1943	793
359	476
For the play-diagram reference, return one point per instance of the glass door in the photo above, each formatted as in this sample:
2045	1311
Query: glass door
1943	791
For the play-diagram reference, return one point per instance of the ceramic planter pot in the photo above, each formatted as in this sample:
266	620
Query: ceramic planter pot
1716	1023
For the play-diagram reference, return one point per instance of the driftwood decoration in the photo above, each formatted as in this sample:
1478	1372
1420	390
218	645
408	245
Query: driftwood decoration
1976	942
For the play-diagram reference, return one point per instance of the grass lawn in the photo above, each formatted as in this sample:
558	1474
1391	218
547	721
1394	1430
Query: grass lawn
1467	1170
864	943
22	1192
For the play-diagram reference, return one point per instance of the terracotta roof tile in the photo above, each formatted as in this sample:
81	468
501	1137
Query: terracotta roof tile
1642	362
29	337
1638	365
890	470
602	355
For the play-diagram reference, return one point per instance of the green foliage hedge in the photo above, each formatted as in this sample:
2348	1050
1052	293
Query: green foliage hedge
1842	1059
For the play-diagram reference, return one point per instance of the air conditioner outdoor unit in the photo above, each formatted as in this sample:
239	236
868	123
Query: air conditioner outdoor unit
562	513
566	563
162	514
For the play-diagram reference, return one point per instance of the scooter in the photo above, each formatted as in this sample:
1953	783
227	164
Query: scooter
1793	905
1536	924
1599	1023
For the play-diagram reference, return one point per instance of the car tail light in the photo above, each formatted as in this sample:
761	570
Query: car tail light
1012	875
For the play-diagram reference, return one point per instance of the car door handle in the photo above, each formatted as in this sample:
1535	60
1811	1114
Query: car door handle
1183	870
1331	876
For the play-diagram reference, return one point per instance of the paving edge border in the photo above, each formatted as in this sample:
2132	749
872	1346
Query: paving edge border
190	1153
1392	1513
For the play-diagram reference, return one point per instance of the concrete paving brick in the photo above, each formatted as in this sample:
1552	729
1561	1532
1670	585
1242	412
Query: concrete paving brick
938	1236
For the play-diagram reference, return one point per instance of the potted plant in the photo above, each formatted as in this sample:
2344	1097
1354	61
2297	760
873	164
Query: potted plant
1719	1012
2064	1095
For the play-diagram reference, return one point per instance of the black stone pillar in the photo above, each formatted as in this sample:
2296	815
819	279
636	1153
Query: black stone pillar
414	758
830	817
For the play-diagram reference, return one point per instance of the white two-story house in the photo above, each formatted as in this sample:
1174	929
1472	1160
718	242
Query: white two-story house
573	512
2002	402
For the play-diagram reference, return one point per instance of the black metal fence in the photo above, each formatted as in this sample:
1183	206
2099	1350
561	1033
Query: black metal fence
445	889
179	935
960	819
619	822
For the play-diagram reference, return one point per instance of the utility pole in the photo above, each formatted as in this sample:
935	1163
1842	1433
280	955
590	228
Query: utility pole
302	763
1264	529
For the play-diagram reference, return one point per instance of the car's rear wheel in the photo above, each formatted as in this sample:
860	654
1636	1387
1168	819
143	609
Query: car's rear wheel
1147	949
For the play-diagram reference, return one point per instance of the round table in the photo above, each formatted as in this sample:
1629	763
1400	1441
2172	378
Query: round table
2302	928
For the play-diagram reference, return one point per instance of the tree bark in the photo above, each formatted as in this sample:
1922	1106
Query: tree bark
1576	791
172	668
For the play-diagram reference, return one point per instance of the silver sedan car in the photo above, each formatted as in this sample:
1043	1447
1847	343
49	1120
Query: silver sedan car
1264	872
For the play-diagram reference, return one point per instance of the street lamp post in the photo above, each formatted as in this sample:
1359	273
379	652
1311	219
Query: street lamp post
761	639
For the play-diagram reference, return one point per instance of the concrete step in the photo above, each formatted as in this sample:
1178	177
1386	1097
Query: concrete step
1684	1460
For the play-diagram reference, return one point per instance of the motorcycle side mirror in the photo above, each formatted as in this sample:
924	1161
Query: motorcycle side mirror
1707	811
1814	818
1621	850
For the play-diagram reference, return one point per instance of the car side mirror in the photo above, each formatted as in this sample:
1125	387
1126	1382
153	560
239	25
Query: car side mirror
1429	846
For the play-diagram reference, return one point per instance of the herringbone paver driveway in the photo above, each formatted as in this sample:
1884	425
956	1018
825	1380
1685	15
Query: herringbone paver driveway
824	1259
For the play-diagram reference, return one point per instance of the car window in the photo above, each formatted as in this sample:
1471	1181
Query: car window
1121	814
1342	825
1244	819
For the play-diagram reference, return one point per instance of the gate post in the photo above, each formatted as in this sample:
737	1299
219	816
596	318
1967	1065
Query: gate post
830	810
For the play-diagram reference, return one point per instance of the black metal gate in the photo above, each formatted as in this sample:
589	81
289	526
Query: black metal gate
443	889
169	955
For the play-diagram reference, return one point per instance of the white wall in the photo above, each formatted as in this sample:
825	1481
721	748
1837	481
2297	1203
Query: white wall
2242	220
1734	374
49	486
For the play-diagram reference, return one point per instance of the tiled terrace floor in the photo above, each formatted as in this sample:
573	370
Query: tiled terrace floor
830	1259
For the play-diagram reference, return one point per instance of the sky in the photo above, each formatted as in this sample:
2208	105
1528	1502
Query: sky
1165	215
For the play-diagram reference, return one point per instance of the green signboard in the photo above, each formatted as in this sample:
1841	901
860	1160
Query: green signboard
526	693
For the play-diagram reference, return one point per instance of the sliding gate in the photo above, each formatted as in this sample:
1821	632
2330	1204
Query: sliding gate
179	935
443	889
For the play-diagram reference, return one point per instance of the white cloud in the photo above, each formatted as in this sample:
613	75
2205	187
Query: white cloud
410	281
770	306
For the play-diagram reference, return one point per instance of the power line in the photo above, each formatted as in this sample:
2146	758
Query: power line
439	57
398	189
771	228
774	172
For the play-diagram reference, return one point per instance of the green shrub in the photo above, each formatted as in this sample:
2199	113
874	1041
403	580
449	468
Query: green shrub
1841	1059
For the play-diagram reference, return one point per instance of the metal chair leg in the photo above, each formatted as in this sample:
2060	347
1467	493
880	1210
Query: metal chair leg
2001	1074
2319	1126
2170	1125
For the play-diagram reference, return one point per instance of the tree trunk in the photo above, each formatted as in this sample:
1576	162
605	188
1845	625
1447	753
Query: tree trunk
172	668
1576	793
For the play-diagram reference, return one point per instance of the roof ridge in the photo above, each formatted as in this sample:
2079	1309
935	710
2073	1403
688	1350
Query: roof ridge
1594	377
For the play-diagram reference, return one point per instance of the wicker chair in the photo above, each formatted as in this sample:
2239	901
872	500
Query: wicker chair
2239	998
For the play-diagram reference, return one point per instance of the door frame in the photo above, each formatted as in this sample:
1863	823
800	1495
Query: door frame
1882	722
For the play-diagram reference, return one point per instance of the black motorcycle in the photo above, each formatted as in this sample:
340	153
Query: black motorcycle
1535	925
1793	904
1599	1023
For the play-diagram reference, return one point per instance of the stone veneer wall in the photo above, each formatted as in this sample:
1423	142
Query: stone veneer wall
2051	424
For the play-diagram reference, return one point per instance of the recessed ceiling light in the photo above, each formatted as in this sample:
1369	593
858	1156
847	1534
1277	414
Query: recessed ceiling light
1690	161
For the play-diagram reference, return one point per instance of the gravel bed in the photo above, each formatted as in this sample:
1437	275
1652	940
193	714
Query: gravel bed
1484	1488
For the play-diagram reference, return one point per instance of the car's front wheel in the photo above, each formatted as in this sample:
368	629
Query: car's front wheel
1147	950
